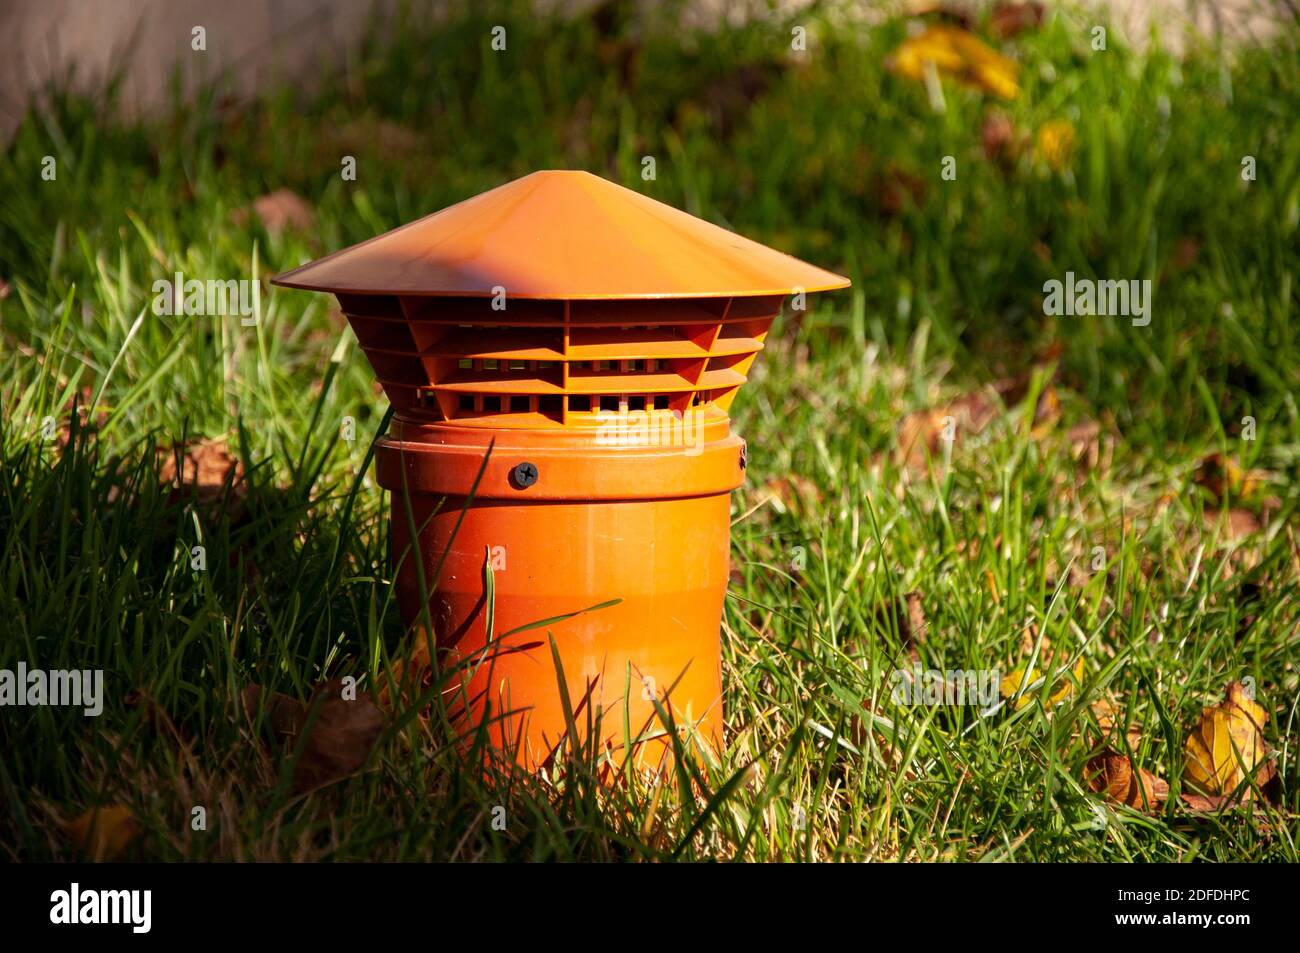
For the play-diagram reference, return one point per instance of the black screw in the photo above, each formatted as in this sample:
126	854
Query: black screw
523	475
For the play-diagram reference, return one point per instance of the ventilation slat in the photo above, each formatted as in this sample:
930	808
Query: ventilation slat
497	384
379	334
666	311
721	379
746	309
480	312
619	384
555	363
505	344
371	306
726	346
397	369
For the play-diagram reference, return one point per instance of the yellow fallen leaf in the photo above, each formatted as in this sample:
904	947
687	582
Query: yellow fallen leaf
102	833
1227	747
954	52
1056	144
1224	477
1064	689
1046	413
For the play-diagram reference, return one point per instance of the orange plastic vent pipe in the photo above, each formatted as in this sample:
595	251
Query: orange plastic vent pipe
593	339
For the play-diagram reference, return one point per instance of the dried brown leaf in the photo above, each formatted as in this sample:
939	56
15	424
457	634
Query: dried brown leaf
1119	779
1237	523
102	833
284	715
280	211
1086	445
339	739
998	137
1186	251
341	731
793	493
898	189
922	432
208	473
916	622
1011	19
368	133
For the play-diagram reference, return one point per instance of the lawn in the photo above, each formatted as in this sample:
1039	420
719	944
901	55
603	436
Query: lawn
942	476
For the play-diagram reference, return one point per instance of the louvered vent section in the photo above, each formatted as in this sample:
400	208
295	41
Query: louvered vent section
557	363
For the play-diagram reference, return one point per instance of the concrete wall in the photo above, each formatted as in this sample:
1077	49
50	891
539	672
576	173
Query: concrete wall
43	41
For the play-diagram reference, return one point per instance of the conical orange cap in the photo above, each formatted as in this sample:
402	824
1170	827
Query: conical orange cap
561	235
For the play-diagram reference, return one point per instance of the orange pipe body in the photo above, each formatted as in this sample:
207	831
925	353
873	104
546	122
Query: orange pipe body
647	527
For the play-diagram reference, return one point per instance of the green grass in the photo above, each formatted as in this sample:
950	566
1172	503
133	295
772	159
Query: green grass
832	158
